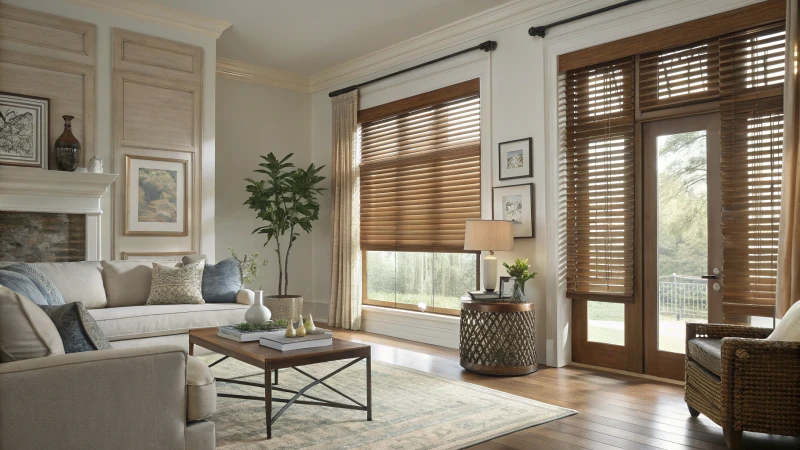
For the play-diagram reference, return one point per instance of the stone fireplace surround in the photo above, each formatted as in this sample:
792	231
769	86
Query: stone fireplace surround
25	189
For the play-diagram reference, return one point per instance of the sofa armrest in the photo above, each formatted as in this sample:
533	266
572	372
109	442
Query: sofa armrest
761	384
123	399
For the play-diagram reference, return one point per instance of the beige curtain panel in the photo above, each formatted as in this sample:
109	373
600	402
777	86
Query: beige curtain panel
345	303
788	289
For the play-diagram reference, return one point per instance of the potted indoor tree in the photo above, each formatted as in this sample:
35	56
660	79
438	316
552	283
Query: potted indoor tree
287	202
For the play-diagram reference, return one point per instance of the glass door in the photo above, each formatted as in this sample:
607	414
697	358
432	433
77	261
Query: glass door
682	244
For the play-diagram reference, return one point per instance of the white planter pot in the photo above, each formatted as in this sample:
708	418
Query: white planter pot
258	313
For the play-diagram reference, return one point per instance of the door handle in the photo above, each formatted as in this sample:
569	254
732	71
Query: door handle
709	277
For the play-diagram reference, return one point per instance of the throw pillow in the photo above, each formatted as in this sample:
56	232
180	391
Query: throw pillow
221	281
788	329
191	259
177	285
79	332
127	283
25	279
25	330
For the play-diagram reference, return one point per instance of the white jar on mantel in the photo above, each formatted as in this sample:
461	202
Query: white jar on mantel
258	313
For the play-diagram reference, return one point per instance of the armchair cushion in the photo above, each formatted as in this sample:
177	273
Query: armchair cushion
707	353
25	330
201	390
788	329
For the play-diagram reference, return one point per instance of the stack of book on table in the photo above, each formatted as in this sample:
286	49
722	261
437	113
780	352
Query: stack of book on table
277	341
230	332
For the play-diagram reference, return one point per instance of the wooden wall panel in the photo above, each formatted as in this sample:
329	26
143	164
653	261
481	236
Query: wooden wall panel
157	104
158	57
48	35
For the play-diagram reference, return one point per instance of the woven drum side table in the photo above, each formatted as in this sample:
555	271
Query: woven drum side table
497	338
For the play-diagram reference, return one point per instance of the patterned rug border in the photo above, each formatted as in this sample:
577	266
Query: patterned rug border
561	411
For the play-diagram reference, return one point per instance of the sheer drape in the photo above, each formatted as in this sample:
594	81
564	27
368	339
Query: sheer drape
345	302
788	289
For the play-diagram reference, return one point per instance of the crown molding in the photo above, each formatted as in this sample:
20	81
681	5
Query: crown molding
473	27
163	15
242	71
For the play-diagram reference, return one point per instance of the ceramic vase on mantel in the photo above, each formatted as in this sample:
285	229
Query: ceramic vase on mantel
258	313
67	148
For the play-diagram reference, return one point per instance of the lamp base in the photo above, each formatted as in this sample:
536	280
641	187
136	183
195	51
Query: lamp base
490	272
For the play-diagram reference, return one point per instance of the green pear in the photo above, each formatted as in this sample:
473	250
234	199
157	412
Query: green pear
290	333
309	324
301	330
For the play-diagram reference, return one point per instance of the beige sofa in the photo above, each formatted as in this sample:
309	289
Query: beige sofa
115	293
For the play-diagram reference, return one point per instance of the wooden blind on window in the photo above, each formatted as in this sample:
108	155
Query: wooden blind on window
421	174
751	87
679	75
598	109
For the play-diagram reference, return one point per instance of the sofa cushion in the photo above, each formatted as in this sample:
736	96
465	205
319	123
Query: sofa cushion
25	330
707	353
79	332
127	283
191	259
77	281
177	285
161	320
788	329
221	281
27	280
201	390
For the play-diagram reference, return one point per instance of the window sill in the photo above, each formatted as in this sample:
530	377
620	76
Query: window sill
416	326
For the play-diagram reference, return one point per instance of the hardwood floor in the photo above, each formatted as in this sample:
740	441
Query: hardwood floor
614	410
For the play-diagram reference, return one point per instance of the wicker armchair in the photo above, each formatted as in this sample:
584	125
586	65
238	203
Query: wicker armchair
742	382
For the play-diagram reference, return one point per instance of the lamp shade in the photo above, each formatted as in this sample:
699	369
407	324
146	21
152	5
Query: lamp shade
494	235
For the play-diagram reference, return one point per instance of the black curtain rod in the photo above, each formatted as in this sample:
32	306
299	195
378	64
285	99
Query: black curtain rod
487	46
540	31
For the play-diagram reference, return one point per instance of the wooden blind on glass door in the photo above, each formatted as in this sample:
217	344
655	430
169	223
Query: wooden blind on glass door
598	113
421	176
679	76
751	87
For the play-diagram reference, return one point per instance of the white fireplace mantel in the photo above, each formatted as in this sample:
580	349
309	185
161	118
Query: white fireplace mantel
26	189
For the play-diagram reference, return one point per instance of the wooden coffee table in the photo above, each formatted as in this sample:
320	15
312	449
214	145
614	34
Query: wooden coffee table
271	360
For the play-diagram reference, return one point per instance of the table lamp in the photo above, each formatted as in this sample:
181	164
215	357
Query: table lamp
491	236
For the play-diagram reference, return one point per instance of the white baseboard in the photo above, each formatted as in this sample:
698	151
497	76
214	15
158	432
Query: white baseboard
415	326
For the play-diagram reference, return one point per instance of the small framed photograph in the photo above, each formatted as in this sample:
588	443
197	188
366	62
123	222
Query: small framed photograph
156	199
24	130
506	287
516	159
515	203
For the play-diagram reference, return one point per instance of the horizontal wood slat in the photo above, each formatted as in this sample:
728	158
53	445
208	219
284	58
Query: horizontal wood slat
751	108
420	171
677	35
679	75
597	105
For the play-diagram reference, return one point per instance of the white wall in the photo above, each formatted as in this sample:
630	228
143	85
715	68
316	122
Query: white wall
523	93
254	120
105	21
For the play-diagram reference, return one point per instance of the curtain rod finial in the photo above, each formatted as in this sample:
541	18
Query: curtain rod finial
488	46
537	31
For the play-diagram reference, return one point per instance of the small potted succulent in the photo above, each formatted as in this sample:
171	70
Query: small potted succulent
519	273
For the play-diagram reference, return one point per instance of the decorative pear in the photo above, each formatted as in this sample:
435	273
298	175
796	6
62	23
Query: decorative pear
290	330
309	324
301	330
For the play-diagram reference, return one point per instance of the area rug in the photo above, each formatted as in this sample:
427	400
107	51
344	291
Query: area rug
411	410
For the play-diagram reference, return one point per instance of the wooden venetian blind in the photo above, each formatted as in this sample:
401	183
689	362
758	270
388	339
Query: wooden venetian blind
598	110
420	172
751	86
679	75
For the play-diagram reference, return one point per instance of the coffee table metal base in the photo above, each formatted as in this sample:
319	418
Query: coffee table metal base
269	386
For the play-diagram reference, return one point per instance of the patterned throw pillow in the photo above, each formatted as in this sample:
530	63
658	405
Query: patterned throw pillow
79	332
177	285
27	280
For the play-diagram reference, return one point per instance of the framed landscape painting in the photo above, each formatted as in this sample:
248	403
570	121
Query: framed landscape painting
516	159
24	130
156	197
515	203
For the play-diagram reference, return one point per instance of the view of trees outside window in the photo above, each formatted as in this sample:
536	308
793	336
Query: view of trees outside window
421	278
682	247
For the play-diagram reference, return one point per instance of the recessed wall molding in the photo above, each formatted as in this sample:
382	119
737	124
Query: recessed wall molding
242	71
160	14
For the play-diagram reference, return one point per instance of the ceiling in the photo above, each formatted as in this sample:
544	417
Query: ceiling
308	36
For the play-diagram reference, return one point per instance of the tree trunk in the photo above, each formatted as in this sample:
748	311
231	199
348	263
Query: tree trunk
286	262
280	266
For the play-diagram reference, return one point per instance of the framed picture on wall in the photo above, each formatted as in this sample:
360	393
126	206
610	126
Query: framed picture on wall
156	198
515	203
516	159
24	130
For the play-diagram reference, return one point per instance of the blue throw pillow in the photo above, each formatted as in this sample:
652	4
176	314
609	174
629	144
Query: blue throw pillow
27	280
221	281
79	332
